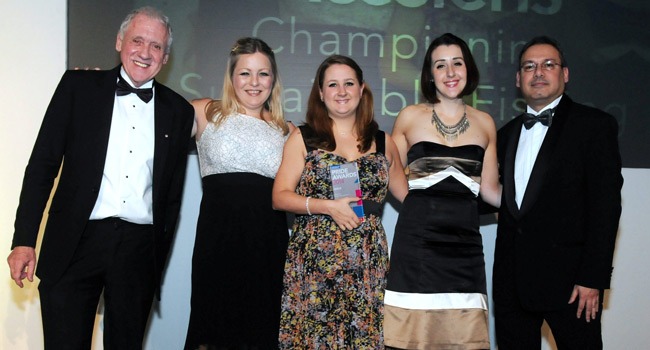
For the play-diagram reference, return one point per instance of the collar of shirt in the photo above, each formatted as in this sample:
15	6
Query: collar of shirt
548	106
530	141
126	77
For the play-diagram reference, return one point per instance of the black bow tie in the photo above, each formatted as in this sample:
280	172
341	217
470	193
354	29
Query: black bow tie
123	88
544	118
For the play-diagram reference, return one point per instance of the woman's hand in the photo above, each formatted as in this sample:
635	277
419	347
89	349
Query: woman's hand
342	213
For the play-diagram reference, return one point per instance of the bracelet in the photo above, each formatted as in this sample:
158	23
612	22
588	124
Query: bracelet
307	205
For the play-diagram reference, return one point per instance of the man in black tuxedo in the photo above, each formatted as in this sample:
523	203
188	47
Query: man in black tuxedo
122	153
561	173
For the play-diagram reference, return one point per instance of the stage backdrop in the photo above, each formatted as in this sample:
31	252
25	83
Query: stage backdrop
607	51
35	31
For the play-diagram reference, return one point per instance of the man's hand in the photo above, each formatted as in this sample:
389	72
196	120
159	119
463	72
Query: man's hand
22	262
588	300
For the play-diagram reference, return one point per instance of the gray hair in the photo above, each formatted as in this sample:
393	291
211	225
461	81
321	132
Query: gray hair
152	13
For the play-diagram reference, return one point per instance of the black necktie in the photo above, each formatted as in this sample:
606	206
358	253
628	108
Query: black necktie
544	118
123	88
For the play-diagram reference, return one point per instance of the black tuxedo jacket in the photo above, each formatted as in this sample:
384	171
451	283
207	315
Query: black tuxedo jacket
74	138
565	231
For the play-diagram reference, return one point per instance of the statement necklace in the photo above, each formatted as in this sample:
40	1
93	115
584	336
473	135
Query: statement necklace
451	132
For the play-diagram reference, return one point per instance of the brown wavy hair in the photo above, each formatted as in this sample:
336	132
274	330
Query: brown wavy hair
318	120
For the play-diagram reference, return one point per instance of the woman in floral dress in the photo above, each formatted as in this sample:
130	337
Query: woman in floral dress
335	273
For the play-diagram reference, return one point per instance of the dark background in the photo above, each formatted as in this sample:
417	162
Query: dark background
606	44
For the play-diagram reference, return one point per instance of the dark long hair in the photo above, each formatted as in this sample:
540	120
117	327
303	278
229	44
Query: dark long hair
427	84
318	120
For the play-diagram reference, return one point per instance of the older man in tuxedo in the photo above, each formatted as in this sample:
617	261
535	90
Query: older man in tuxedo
561	172
120	140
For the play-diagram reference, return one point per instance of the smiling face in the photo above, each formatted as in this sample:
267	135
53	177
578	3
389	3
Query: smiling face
142	49
341	91
449	71
539	86
252	79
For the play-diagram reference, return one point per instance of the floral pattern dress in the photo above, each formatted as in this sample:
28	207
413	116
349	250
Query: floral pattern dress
334	279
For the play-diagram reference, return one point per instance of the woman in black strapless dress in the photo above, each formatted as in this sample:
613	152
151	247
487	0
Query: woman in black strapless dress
436	296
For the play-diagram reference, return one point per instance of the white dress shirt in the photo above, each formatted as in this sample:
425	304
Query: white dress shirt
530	141
126	189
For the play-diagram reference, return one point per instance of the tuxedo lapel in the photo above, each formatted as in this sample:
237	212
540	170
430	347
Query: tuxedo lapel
545	156
163	124
103	107
509	167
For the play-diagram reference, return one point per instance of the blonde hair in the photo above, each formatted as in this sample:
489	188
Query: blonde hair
217	111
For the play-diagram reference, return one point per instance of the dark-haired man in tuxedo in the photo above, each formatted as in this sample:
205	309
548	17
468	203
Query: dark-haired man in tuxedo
120	141
561	173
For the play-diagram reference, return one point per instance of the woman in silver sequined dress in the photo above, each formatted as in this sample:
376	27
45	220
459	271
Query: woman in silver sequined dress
241	241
